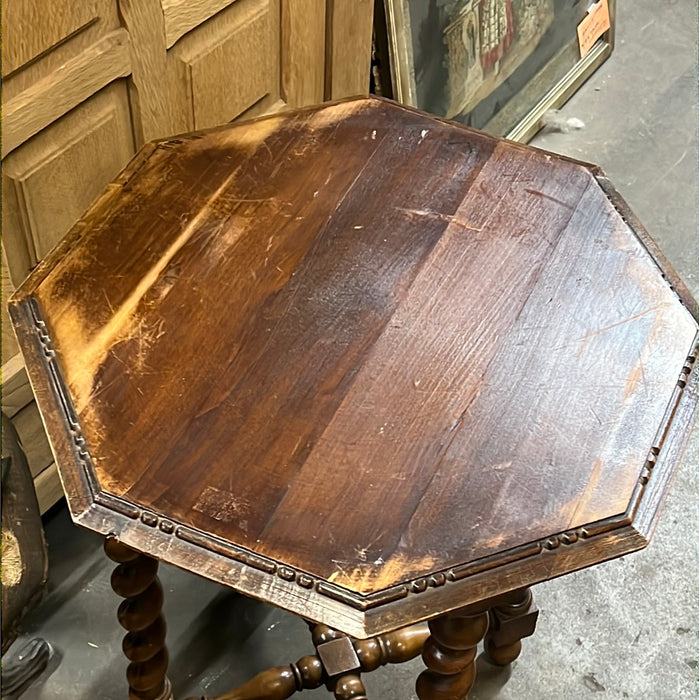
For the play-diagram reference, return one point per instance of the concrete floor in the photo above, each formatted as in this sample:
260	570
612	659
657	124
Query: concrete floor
625	629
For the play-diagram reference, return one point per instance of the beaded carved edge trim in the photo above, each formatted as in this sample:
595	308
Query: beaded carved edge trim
192	536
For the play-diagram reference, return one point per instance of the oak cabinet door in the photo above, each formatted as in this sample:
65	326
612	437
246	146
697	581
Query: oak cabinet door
230	64
50	180
203	63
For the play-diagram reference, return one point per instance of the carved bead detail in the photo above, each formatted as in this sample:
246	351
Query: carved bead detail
437	580
419	585
686	370
167	527
149	519
286	573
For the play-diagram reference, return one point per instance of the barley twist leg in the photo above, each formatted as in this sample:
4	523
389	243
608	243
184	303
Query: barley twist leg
135	579
449	654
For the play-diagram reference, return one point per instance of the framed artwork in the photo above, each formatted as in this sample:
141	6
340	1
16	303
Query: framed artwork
497	65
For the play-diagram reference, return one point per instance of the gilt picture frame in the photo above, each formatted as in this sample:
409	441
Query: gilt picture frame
497	65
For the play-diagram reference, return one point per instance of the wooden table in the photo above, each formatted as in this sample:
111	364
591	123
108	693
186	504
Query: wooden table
368	366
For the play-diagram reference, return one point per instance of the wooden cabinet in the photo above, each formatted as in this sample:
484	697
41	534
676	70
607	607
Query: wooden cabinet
86	83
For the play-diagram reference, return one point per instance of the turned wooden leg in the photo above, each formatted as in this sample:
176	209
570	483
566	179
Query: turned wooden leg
349	687
510	622
279	683
348	657
135	580
450	652
392	648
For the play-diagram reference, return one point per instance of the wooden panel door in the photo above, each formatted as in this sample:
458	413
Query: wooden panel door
54	176
199	64
242	40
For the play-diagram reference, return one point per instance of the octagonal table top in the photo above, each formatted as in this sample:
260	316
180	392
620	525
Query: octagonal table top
362	363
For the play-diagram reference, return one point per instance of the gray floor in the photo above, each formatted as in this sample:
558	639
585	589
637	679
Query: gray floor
625	629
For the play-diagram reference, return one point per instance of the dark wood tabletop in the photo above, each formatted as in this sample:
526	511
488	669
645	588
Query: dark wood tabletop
362	363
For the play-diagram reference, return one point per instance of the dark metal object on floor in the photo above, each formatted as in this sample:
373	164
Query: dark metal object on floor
23	667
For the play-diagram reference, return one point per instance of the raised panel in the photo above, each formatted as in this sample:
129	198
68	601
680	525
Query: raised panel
50	180
37	26
181	16
104	19
65	88
231	62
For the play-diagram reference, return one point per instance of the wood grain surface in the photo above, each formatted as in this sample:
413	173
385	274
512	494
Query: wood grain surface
75	81
363	342
38	35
